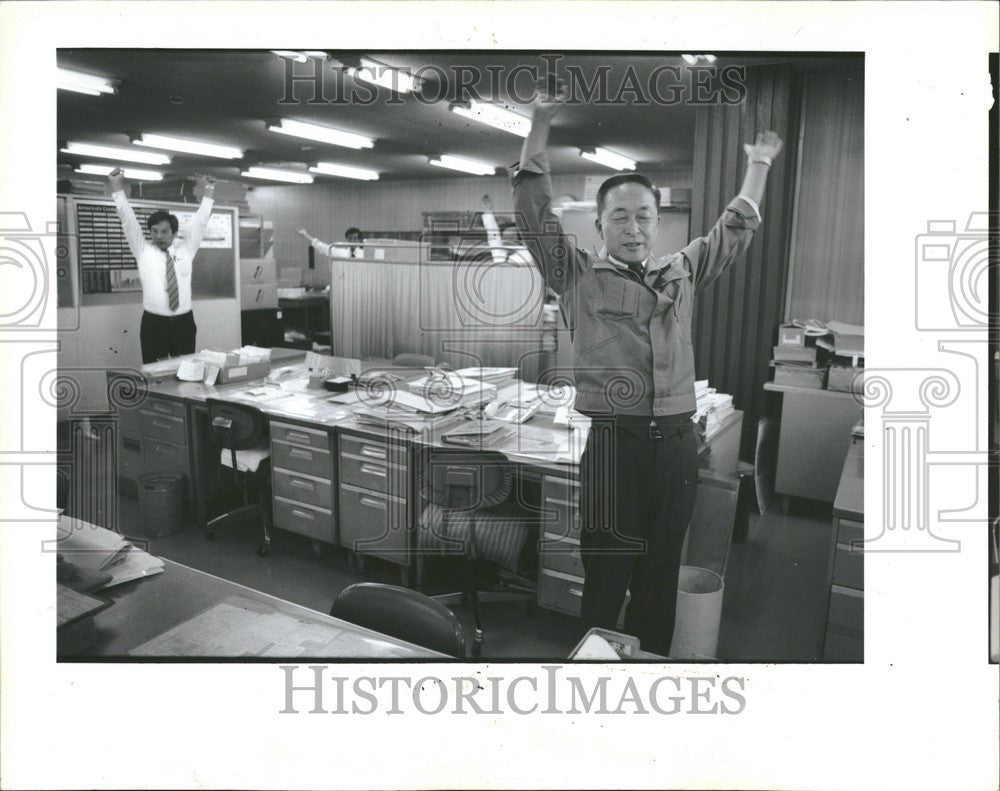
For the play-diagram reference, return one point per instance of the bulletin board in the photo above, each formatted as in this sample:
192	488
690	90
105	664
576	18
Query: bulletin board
105	264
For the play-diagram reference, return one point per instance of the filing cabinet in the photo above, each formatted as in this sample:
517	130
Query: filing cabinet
302	476
376	498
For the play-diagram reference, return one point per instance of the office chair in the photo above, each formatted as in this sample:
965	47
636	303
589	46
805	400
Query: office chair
469	514
402	613
241	432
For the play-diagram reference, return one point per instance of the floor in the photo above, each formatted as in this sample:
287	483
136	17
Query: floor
774	606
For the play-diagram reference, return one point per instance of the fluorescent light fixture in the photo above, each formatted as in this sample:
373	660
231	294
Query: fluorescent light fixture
69	80
322	134
384	76
693	59
188	146
130	173
608	158
333	169
494	115
463	164
300	56
274	174
112	152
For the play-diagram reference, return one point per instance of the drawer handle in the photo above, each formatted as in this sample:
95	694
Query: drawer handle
371	469
299	453
303	514
302	484
373	503
128	442
298	437
575	591
156	406
373	452
161	424
164	449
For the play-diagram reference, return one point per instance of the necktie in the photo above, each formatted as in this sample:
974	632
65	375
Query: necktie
637	269
172	283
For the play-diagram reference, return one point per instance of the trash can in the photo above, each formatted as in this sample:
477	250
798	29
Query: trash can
744	500
699	612
161	503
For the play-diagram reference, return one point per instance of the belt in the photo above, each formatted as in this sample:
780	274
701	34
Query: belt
666	432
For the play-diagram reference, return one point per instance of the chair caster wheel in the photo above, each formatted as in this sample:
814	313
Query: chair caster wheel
262	550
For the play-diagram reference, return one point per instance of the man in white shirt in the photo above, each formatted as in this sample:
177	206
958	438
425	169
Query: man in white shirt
329	249
165	264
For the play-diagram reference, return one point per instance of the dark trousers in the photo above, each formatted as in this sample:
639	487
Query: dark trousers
637	495
166	336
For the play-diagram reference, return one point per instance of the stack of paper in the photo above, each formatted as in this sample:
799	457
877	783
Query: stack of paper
712	408
445	391
495	376
95	549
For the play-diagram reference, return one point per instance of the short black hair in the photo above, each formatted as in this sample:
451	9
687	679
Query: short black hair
351	231
625	178
159	216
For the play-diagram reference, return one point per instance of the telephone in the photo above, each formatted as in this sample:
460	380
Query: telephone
284	374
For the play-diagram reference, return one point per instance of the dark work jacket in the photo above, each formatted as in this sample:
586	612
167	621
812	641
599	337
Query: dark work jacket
632	348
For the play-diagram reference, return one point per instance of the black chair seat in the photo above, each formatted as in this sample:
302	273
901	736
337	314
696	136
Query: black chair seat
401	613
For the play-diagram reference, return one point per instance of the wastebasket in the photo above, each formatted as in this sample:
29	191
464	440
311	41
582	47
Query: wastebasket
699	612
161	503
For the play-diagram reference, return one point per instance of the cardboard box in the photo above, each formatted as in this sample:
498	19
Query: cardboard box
845	378
800	376
799	354
242	373
625	645
790	335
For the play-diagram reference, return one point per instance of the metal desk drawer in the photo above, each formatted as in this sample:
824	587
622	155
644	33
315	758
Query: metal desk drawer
374	524
308	460
848	567
849	531
316	523
303	489
376	476
299	435
169	428
373	450
164	406
558	591
561	554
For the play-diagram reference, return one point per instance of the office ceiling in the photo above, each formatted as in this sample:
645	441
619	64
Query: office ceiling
227	96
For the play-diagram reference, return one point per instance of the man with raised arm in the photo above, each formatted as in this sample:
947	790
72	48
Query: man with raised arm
165	264
633	361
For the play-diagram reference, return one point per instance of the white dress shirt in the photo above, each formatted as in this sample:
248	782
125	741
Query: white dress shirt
152	260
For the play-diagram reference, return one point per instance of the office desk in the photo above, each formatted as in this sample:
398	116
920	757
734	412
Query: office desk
845	629
814	436
344	483
145	609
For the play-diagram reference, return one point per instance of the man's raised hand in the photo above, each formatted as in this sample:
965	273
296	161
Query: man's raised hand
117	180
768	144
547	101
206	184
